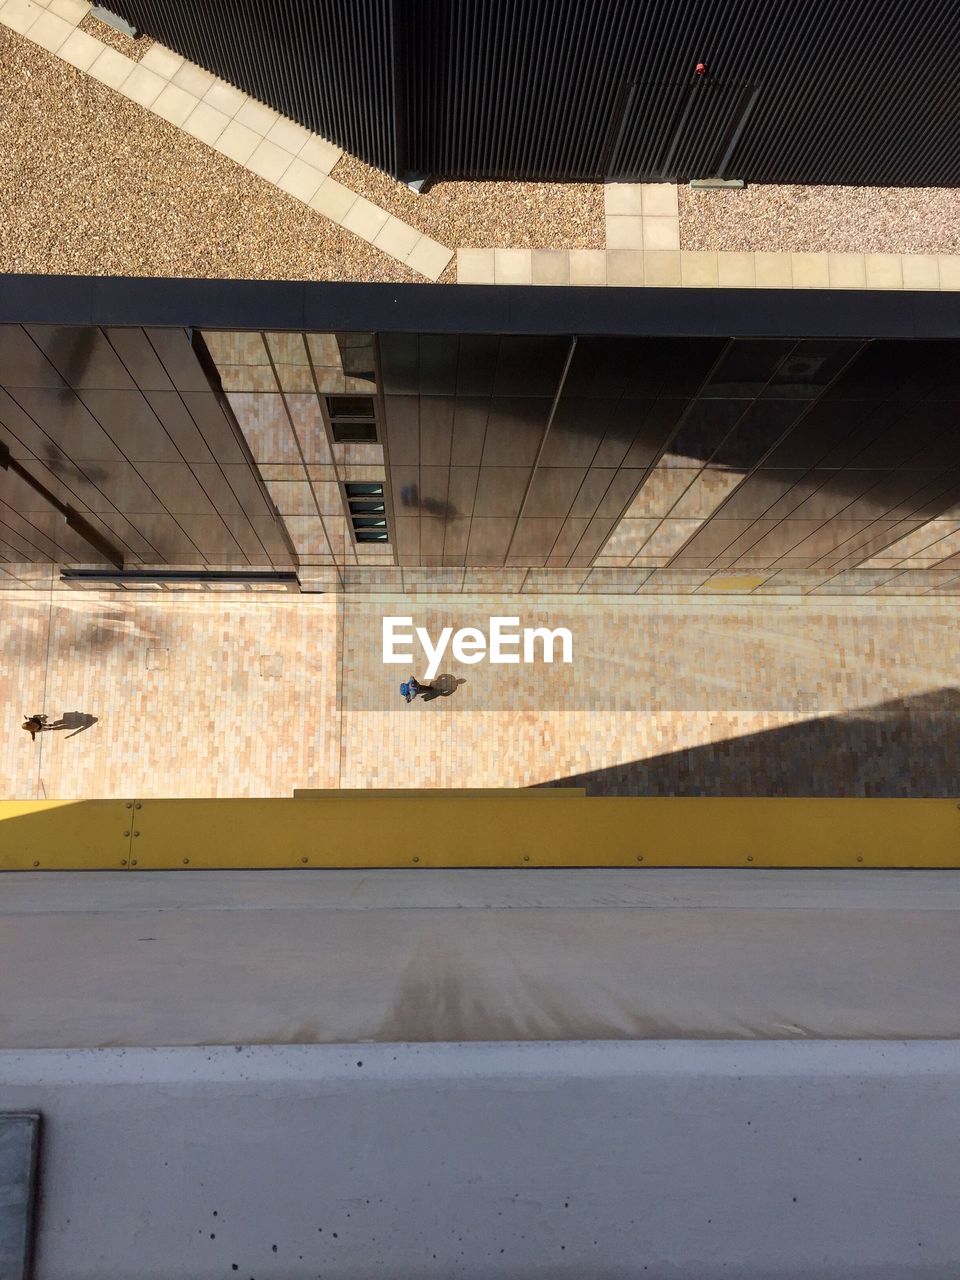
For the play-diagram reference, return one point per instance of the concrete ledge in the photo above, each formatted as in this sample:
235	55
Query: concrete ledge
691	1161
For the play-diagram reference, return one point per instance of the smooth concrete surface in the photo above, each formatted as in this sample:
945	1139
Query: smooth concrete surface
642	888
658	1160
197	958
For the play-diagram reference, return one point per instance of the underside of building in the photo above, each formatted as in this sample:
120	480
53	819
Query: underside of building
642	966
770	450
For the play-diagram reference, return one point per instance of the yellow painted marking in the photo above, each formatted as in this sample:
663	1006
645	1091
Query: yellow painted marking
446	793
468	830
744	582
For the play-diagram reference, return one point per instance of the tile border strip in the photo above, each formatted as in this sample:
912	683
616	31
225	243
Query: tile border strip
642	230
693	269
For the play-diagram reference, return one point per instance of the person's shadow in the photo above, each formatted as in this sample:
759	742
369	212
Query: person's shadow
75	720
447	684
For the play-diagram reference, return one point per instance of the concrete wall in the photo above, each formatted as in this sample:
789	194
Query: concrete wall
664	1074
662	1161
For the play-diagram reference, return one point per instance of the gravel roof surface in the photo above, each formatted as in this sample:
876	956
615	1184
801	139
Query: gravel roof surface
817	219
483	215
102	31
91	184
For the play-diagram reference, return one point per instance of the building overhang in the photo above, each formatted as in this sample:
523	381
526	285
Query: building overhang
306	305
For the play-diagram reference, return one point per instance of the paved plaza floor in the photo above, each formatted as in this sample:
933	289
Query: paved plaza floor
169	695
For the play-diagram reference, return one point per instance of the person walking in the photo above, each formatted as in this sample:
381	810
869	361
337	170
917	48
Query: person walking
34	725
412	688
441	688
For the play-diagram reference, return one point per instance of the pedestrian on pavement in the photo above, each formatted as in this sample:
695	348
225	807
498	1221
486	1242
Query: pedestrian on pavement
442	687
412	688
34	725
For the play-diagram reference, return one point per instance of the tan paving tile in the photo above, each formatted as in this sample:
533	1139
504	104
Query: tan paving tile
365	219
143	86
847	270
624	231
333	200
73	11
238	142
174	105
661	269
625	266
949	268
301	180
660	199
429	258
224	97
810	270
920	271
475	266
698	269
661	233
773	270
269	161
51	32
321	154
206	123
163	61
588	267
550	266
883	271
196	80
20	15
111	68
396	238
736	270
622	198
513	266
288	134
80	50
257	117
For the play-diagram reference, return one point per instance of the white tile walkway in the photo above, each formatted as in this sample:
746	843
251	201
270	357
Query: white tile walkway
642	227
253	135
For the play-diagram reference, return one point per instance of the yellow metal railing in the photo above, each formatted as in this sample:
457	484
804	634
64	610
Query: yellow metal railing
534	828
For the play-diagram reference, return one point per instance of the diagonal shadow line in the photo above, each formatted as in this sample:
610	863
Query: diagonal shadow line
906	748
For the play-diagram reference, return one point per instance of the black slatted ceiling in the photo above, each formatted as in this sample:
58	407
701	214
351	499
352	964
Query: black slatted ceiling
860	92
326	63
